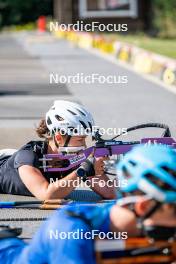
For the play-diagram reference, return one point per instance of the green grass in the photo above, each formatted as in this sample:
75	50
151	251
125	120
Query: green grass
166	47
28	27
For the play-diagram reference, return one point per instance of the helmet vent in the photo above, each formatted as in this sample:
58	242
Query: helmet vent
73	113
126	172
152	178
132	162
48	121
170	171
81	112
59	118
73	129
158	182
83	124
54	130
90	125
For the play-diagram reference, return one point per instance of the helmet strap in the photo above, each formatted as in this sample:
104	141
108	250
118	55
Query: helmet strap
155	232
65	144
67	141
152	210
55	142
140	220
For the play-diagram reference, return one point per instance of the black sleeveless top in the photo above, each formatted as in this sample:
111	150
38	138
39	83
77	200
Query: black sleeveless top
29	154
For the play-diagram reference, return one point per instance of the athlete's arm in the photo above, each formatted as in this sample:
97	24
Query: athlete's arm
41	188
100	183
103	187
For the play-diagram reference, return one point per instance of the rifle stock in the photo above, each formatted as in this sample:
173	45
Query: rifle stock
135	250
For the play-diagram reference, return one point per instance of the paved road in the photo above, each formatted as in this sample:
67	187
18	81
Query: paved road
25	93
26	60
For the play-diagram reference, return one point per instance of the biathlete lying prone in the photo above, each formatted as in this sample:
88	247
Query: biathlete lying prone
147	207
64	129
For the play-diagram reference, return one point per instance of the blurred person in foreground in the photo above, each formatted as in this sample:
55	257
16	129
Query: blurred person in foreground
147	207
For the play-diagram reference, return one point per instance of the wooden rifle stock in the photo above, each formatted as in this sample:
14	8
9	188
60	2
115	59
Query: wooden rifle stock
135	250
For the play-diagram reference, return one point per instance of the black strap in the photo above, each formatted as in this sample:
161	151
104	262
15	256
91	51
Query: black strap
151	211
148	214
67	140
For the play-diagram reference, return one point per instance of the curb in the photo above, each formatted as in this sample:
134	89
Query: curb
145	62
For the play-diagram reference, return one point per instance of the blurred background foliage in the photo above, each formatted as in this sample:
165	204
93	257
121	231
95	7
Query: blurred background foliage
164	17
18	12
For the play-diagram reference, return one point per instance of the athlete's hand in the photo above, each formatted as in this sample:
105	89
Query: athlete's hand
99	165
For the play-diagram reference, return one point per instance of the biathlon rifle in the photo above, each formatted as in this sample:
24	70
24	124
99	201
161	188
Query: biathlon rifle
104	148
135	250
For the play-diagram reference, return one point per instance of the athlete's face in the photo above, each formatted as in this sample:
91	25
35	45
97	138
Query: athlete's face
77	141
164	216
125	219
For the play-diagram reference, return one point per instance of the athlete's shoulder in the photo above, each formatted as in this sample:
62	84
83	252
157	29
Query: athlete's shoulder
93	215
35	146
29	154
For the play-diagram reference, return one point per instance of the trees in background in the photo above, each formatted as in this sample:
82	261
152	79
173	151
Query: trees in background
15	12
164	19
161	17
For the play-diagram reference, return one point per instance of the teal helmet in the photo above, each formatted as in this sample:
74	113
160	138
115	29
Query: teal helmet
150	169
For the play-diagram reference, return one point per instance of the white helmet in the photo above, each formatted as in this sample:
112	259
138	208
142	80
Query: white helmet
69	118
